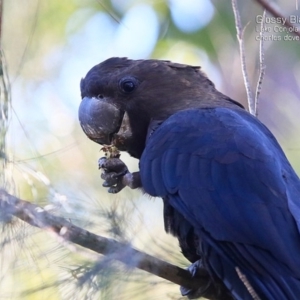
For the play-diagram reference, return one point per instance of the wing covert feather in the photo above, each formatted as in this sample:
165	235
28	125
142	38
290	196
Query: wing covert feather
225	172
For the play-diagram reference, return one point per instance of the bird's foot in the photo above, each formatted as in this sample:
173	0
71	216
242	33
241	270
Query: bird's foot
116	175
211	288
196	269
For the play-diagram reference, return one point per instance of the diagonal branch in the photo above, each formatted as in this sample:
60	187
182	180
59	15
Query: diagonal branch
273	11
247	284
38	217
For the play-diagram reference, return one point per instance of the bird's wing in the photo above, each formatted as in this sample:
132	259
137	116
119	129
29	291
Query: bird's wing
227	175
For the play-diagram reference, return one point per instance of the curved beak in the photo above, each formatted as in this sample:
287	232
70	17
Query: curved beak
99	119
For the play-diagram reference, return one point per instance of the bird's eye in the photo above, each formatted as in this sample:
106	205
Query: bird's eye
128	84
100	96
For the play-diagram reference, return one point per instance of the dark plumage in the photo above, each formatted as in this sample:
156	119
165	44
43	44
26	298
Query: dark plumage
230	195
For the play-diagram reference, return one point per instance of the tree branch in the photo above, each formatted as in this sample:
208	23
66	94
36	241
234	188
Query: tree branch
239	33
262	65
273	11
247	284
1	14
38	217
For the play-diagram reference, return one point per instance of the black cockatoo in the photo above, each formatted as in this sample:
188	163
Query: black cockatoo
230	195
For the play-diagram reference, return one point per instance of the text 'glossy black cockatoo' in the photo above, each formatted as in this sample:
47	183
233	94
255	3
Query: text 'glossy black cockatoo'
230	195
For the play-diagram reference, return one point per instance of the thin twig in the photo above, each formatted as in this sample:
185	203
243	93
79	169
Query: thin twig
240	33
273	11
262	65
1	15
113	16
28	42
247	284
38	217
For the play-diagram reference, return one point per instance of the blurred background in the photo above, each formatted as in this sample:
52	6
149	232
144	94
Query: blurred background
48	47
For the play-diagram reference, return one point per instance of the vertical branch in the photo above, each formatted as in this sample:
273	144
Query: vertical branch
4	107
1	9
262	65
240	33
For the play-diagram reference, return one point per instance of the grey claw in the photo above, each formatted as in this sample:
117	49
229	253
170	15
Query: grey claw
105	184
113	190
101	162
